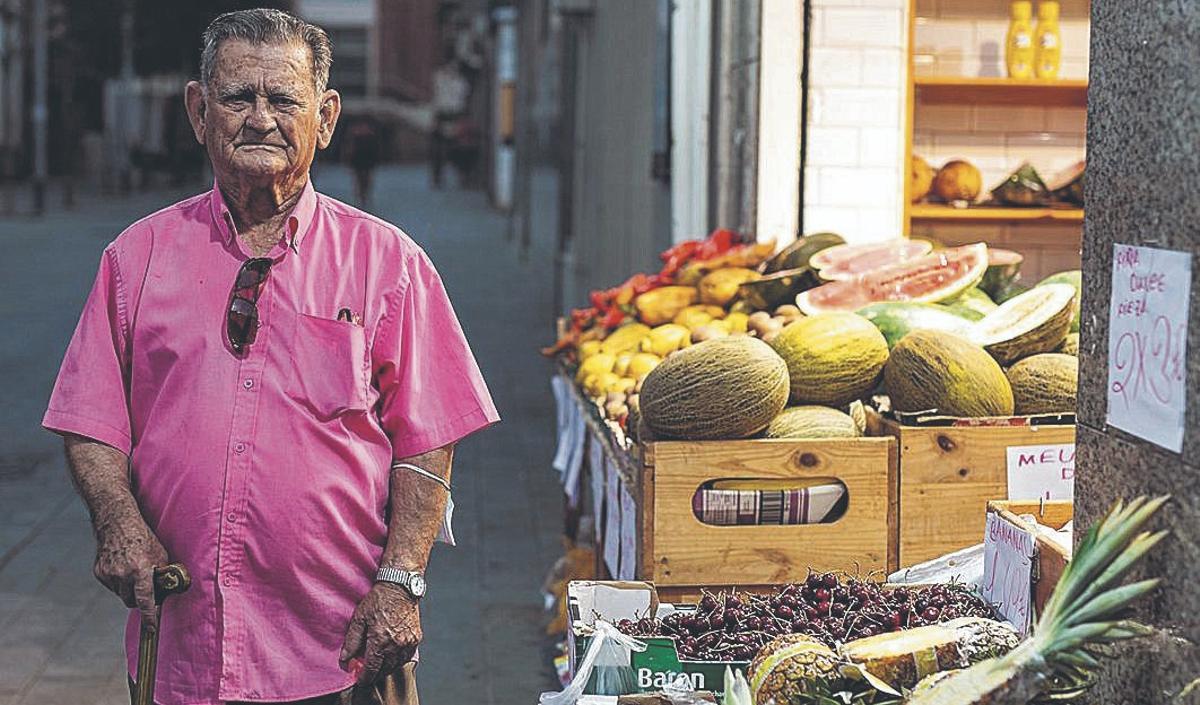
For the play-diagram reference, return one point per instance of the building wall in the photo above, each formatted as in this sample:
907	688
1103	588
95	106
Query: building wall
620	214
853	168
1143	119
408	49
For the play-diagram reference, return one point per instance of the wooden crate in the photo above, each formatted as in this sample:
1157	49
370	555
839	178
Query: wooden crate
1051	559
679	553
948	474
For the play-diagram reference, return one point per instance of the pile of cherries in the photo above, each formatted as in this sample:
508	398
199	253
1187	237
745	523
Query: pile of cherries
734	626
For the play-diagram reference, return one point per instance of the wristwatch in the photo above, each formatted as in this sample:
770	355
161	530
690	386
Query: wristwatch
411	581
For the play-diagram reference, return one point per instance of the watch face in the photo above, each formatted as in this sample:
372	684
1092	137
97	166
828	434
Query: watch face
416	585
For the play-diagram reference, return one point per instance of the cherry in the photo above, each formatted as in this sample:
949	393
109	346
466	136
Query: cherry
822	594
810	613
708	603
823	608
829	580
930	614
785	612
838	609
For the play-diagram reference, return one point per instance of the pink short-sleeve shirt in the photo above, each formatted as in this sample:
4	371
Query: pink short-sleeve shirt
266	473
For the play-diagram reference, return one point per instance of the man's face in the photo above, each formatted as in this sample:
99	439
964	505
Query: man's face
260	117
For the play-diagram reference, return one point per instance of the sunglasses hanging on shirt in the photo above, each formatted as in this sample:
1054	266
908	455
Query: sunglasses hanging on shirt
241	323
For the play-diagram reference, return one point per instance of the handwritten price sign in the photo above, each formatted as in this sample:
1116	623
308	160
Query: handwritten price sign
1041	472
1147	343
1008	571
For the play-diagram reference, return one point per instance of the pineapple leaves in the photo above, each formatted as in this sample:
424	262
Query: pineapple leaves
1108	603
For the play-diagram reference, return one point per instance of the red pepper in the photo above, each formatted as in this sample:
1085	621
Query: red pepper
613	318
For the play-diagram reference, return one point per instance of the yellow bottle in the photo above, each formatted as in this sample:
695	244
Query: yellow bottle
1019	50
1047	41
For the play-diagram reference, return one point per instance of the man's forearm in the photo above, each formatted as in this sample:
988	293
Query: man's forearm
101	475
417	505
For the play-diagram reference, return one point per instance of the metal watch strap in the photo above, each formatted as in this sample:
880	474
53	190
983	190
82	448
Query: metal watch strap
403	578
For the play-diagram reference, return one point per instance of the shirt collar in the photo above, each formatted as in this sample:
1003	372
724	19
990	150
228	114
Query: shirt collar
297	225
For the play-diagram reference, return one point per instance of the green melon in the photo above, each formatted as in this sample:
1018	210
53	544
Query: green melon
930	370
1073	277
973	304
832	358
896	320
1034	322
1044	384
722	388
1070	345
812	422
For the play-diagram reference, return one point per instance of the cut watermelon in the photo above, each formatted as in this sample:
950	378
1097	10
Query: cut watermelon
937	276
849	261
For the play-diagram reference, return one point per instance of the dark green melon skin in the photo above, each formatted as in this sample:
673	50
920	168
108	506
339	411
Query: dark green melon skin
725	388
930	370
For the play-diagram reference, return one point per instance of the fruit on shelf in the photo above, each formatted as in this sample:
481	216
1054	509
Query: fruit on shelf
937	276
625	338
958	180
698	315
931	370
1024	187
1004	267
922	179
826	607
1070	345
725	388
793	668
896	320
1031	323
642	363
972	304
1088	609
1044	384
659	306
720	286
777	288
666	339
848	261
832	358
1074	277
1067	185
798	254
902	659
812	422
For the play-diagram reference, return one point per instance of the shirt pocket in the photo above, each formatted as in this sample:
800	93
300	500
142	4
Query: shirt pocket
330	371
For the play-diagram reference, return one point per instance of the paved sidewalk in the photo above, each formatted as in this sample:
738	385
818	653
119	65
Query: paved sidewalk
61	633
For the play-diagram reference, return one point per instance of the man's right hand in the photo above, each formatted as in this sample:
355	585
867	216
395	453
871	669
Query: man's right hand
127	552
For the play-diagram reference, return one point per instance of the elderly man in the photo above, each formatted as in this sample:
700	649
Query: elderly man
266	385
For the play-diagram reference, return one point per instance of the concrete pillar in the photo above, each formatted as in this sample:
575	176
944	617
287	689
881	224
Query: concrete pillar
1143	122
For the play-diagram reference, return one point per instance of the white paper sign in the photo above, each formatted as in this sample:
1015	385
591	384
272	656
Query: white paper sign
612	518
1041	472
1008	570
596	475
1147	343
629	535
565	407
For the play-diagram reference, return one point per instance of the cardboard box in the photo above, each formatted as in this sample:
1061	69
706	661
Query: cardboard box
950	468
659	664
1050	560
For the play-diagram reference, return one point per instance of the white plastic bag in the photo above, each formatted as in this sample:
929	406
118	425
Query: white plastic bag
609	650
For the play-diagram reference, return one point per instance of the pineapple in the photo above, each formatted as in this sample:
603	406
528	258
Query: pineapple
1082	612
790	668
901	659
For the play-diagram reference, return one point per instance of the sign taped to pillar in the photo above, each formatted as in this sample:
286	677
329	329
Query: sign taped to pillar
1147	343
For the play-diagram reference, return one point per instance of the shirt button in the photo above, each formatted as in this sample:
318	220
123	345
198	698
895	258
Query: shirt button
227	581
231	517
248	383
239	447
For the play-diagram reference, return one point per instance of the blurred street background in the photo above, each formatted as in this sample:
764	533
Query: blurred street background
93	136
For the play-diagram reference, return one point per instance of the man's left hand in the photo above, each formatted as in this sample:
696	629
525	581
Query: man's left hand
384	631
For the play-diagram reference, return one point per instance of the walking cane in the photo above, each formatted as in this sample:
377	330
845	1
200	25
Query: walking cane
169	580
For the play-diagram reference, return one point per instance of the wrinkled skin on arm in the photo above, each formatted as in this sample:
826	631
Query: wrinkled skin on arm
127	551
386	627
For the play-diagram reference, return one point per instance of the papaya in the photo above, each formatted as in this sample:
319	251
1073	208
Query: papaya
659	306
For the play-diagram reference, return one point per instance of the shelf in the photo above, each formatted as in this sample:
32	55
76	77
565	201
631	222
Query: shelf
1062	92
934	212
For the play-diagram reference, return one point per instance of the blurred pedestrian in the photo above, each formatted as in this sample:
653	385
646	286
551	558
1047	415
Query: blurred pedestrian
451	91
363	145
267	385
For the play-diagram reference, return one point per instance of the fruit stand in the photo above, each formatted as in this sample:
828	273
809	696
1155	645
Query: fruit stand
757	420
